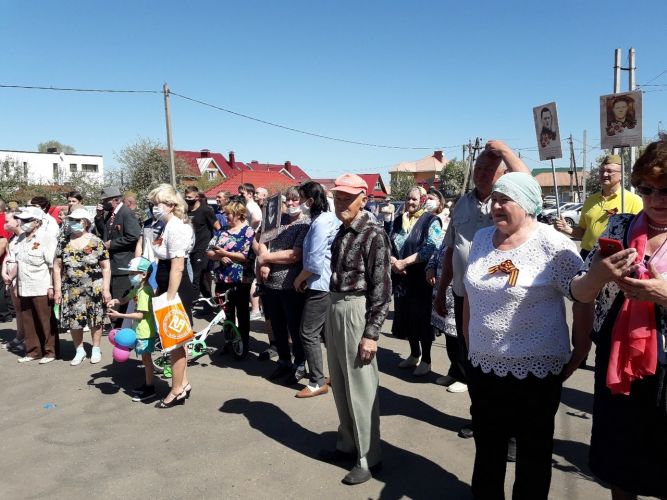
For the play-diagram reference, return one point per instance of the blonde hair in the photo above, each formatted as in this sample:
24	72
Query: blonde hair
237	208
165	193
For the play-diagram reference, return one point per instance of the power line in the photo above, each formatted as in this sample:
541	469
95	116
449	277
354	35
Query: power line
66	89
312	134
654	78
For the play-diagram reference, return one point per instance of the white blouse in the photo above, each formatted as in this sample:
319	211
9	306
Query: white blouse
520	329
35	259
177	240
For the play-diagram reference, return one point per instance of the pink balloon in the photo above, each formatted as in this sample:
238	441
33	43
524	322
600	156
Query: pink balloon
121	354
112	336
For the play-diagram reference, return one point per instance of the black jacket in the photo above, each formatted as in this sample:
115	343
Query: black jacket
123	235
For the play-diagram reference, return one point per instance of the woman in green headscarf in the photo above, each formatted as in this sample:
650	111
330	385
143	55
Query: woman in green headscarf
518	273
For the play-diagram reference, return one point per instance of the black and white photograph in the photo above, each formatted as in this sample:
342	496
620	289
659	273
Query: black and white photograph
621	120
546	130
271	215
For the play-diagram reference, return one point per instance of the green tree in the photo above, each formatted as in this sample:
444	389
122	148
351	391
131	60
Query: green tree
452	176
143	165
400	183
43	147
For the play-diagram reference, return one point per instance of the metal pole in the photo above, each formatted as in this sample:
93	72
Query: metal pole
170	145
617	79
631	86
573	160
553	171
583	171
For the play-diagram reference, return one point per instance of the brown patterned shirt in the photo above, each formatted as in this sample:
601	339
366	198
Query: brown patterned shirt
360	263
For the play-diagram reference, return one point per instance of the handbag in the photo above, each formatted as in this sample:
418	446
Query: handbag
173	323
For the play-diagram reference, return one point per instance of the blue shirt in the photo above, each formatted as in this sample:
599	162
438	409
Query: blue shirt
317	250
220	215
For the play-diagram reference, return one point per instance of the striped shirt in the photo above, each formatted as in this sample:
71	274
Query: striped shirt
360	263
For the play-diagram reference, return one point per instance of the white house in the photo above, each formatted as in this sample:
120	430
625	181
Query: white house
50	168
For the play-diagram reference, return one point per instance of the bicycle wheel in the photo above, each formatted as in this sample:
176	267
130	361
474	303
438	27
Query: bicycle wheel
160	361
234	339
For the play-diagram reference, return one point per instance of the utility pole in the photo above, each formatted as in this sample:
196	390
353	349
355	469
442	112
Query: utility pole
170	145
631	87
583	170
573	166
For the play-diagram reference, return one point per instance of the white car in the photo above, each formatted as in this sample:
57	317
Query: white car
549	214
571	216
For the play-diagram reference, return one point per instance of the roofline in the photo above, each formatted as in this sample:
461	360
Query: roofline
42	153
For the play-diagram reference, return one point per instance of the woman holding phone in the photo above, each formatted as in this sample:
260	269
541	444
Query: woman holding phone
230	250
629	287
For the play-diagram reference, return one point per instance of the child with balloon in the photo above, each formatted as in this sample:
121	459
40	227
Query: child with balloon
144	325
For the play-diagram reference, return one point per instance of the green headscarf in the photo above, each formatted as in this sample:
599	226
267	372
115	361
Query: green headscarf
523	189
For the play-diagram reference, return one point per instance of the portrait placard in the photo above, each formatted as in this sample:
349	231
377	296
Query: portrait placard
621	120
547	132
271	217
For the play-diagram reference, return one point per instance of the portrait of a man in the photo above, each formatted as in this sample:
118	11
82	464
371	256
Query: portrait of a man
546	130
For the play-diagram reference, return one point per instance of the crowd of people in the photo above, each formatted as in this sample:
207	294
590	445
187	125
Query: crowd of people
481	270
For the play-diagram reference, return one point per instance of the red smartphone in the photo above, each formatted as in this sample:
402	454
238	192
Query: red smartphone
609	246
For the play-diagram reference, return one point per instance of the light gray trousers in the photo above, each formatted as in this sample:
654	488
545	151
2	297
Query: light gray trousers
355	386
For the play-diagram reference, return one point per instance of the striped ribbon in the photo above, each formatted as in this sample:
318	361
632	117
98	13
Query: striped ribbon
507	267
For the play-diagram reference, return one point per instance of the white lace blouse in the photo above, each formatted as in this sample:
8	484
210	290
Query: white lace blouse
520	329
177	240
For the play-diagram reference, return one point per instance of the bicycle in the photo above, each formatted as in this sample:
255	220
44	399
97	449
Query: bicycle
197	347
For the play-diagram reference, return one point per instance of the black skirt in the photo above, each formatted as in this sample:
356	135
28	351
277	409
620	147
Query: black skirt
629	438
185	290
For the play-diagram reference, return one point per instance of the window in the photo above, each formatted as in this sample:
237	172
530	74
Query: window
211	175
25	169
72	167
87	167
55	172
378	186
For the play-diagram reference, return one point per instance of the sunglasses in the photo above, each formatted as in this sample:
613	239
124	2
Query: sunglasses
648	191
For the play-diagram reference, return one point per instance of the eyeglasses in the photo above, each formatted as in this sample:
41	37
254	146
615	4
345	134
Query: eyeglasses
648	191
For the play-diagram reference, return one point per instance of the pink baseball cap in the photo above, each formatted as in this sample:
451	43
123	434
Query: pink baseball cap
350	183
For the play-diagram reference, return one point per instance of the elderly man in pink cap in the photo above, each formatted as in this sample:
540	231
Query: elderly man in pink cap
360	294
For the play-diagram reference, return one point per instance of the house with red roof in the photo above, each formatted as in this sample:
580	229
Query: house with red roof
274	182
205	163
287	168
376	187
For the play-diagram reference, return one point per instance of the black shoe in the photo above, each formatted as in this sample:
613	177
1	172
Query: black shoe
281	371
297	374
466	432
357	475
267	354
511	450
337	456
178	400
143	393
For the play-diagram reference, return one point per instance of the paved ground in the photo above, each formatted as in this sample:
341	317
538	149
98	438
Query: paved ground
69	432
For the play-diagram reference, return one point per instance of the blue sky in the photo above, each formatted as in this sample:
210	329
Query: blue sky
416	74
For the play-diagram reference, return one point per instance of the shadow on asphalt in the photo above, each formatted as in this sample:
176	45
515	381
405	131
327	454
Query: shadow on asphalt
576	454
401	467
577	400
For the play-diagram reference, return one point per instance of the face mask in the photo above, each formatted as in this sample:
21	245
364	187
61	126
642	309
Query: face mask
158	213
107	206
431	205
294	210
76	227
305	209
26	227
136	279
191	203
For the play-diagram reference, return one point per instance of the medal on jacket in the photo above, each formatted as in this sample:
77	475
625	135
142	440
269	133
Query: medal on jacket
507	267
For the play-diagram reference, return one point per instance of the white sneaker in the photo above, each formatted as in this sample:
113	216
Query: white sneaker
410	362
96	355
25	359
43	361
78	357
445	380
422	369
457	387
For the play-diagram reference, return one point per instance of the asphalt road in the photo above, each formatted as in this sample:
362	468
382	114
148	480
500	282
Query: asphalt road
72	432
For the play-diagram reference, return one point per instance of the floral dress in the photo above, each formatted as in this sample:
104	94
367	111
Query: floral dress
82	284
240	242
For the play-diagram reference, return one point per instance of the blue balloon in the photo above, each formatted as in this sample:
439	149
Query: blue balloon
126	337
